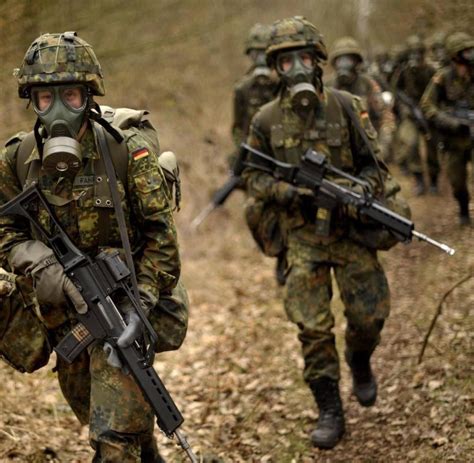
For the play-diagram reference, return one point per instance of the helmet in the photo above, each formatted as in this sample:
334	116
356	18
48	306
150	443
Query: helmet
414	43
345	46
438	39
295	32
257	38
457	42
60	58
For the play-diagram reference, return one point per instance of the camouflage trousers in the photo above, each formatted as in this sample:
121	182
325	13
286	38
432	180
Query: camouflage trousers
120	421
364	292
408	143
457	163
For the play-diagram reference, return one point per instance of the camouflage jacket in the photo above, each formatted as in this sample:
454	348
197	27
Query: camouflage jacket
413	81
250	93
446	92
370	92
84	207
278	131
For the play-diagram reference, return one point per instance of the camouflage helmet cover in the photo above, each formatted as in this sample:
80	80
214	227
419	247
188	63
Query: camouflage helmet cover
258	38
295	32
346	46
60	58
457	42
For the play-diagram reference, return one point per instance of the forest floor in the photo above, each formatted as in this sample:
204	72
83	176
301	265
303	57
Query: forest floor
237	378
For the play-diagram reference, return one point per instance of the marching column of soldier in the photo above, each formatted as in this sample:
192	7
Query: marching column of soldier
282	106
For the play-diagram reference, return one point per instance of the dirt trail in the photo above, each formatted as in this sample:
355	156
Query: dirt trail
238	376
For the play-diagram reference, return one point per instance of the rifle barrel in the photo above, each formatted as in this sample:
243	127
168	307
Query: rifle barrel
433	242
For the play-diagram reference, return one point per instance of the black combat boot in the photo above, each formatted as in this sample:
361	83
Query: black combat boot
281	267
434	185
330	426
464	217
364	385
419	185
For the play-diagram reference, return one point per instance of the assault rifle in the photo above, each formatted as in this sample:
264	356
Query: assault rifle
414	109
312	173
100	280
464	113
221	195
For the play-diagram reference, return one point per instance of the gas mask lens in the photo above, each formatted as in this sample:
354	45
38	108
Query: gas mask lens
42	99
468	55
345	63
73	97
286	61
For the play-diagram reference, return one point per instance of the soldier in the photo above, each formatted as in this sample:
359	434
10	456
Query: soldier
446	102
346	59
438	57
60	76
412	79
306	115
256	87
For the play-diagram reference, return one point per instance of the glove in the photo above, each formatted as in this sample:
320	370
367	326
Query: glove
447	123
134	328
350	210
51	284
286	194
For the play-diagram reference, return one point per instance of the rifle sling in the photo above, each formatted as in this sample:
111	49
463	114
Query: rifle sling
355	121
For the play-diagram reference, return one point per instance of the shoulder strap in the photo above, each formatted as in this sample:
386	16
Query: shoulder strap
347	106
119	214
24	151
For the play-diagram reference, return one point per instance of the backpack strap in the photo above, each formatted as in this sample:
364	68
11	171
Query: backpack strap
334	123
347	106
25	149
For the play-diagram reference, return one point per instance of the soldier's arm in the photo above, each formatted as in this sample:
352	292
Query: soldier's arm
158	265
238	129
13	230
259	184
377	105
431	97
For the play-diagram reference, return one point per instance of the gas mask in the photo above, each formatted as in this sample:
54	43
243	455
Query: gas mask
345	67
467	57
261	72
298	70
415	59
61	110
439	54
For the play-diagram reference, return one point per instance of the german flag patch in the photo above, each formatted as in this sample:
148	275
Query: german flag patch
140	153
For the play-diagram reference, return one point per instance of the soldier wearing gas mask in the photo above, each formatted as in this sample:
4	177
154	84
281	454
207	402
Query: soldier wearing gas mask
61	76
306	115
448	103
438	57
347	59
412	79
256	87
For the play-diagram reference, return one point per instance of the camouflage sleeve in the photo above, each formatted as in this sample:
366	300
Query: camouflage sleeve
259	184
431	97
158	267
385	118
367	167
13	230
238	126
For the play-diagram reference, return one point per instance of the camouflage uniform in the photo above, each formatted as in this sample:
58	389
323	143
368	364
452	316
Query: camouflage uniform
367	89
121	421
447	91
255	88
278	131
316	237
412	80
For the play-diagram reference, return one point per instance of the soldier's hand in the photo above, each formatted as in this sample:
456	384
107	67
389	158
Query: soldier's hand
133	331
285	194
51	284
